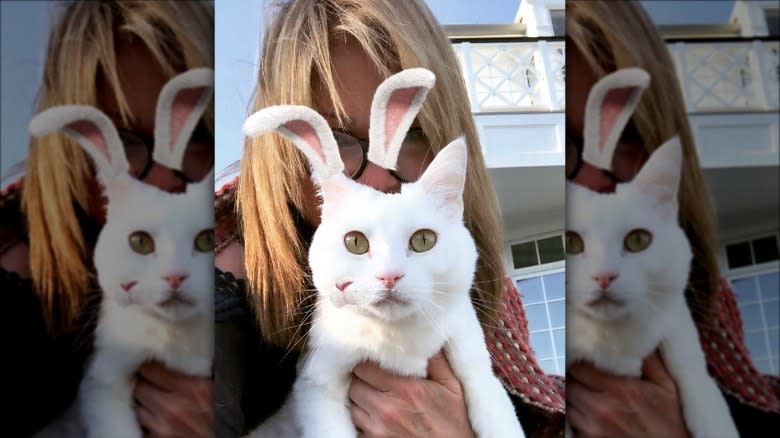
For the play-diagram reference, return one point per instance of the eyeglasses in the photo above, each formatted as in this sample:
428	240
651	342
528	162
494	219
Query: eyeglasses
198	157
414	155
574	163
627	159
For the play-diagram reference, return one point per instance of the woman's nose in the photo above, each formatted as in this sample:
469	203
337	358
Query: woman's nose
594	178
379	178
165	178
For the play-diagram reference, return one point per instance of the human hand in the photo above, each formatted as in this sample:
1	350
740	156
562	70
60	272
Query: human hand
386	405
171	404
600	404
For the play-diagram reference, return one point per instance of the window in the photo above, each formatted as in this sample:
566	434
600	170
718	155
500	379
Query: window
772	21
759	307
752	252
537	252
544	300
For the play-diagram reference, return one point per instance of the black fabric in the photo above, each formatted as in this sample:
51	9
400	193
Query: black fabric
252	379
752	422
41	372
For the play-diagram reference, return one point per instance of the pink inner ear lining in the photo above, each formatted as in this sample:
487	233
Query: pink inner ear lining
397	106
182	107
305	131
614	102
90	130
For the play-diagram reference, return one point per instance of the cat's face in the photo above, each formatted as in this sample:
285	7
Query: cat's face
626	253
156	249
392	255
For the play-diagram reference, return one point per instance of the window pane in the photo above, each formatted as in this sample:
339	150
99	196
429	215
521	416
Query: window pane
557	313
542	345
548	365
772	21
763	366
756	345
745	289
774	342
562	366
771	313
769	285
765	249
738	255
530	290
559	336
524	255
555	285
551	249
751	316
537	317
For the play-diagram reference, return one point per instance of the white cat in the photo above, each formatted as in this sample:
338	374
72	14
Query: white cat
154	259
628	263
393	272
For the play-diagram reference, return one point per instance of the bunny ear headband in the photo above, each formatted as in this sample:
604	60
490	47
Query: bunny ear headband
396	103
180	105
610	104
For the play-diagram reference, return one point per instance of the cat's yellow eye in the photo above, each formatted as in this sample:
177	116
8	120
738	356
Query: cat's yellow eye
637	240
574	243
204	241
422	240
141	242
356	242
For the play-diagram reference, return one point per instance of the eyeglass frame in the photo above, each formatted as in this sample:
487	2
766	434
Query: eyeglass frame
363	143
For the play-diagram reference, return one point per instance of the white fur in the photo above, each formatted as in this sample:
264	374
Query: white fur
137	320
651	284
359	324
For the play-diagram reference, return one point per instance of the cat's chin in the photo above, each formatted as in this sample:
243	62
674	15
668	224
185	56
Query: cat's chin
605	309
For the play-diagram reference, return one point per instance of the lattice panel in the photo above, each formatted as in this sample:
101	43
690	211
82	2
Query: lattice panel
718	76
557	67
770	62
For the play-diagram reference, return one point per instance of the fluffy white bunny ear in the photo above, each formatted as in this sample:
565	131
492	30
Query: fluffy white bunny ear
181	103
307	129
396	103
92	129
610	104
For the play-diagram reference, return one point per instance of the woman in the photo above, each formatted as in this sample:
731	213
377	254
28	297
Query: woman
331	55
115	56
602	37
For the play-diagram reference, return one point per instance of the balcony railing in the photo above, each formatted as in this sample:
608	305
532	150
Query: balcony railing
725	75
728	76
514	76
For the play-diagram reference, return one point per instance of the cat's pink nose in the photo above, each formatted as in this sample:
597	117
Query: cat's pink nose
175	280
390	279
604	279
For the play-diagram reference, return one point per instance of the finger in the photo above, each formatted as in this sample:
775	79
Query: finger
363	394
592	377
654	370
380	379
360	418
152	424
439	371
582	423
147	395
157	374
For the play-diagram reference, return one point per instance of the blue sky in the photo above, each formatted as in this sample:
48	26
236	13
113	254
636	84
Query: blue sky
25	26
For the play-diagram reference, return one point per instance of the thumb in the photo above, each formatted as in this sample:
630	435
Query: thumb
439	371
654	370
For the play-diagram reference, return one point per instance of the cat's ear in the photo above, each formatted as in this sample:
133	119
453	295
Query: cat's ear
396	103
307	129
445	177
180	106
611	102
660	175
92	129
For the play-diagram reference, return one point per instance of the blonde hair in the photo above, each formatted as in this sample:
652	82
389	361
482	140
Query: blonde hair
613	35
82	51
295	59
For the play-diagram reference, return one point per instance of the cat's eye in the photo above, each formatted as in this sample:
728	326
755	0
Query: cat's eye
356	242
574	243
204	241
637	240
141	242
422	240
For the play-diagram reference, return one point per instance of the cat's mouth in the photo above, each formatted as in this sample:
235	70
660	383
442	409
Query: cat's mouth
390	297
176	299
606	299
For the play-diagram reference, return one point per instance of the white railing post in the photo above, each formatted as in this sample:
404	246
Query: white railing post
543	63
759	87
